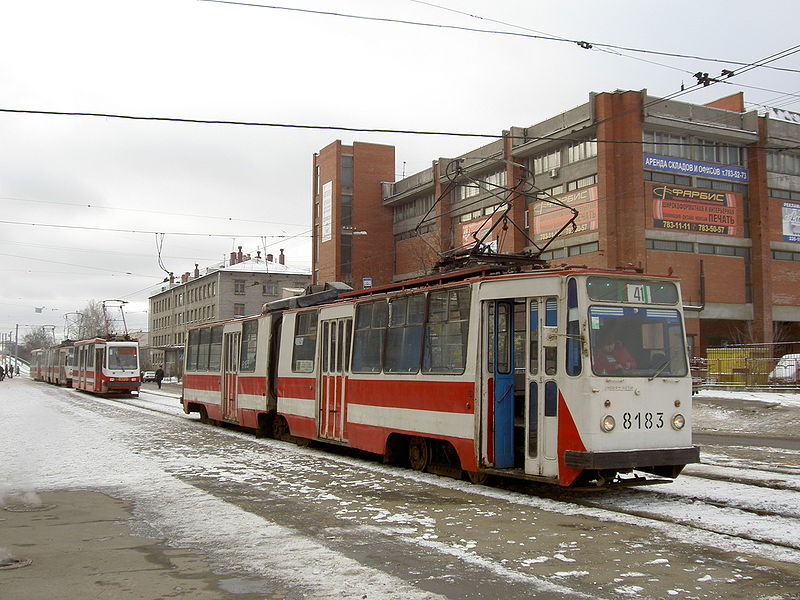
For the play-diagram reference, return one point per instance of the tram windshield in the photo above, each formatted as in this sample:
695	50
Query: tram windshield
637	342
122	358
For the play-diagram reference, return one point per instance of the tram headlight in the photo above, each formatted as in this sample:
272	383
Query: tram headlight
678	421
608	423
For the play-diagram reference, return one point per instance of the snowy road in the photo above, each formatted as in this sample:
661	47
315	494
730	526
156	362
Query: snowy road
329	526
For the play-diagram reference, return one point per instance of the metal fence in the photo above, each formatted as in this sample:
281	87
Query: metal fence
751	366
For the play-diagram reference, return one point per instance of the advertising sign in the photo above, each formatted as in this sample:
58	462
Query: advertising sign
549	218
684	166
790	216
327	211
694	210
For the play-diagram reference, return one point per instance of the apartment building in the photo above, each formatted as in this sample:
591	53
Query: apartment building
238	288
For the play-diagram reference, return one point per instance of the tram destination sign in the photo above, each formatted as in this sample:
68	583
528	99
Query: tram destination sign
684	166
692	210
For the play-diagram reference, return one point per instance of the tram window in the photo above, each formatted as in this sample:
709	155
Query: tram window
122	357
632	291
371	321
326	332
503	334
305	342
519	335
404	337
348	335
191	350
445	344
215	349
247	361
202	353
490	339
534	337
638	342
550	399
573	359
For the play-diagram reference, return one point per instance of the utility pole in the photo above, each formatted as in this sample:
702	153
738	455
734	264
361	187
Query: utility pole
16	349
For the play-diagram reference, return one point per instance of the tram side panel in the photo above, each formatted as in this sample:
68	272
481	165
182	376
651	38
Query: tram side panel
318	386
226	372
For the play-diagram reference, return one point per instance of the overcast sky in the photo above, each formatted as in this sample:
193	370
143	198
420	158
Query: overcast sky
251	186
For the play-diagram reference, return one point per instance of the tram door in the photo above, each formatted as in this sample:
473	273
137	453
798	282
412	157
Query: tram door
99	363
230	374
333	374
502	371
541	444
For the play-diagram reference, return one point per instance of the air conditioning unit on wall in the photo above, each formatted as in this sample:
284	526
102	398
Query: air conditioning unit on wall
553	173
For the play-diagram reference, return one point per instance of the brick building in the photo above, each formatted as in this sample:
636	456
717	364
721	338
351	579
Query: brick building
708	193
236	289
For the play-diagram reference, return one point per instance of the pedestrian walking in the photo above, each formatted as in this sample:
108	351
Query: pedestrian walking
2	373
159	376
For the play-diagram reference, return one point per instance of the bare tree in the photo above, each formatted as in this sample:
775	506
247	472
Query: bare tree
38	338
94	322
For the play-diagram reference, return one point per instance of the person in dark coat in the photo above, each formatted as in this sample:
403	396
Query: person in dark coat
159	376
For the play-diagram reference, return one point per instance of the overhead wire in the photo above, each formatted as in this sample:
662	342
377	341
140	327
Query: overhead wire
587	45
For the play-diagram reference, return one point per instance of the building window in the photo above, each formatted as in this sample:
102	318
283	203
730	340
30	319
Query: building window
347	171
238	310
723	186
784	194
667	178
550	192
783	255
270	289
583	182
238	286
783	162
669	246
414	208
717	152
724	250
666	144
487	182
583	248
581	150
546	162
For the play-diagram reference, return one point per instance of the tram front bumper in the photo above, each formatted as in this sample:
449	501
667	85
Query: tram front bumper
632	459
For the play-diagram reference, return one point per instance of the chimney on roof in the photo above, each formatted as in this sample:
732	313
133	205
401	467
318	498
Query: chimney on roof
233	259
171	278
239	255
281	258
185	277
269	257
196	270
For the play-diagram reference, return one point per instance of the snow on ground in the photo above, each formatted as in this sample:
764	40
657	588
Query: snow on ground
51	453
788	399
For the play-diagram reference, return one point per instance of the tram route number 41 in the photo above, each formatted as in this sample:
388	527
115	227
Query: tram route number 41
643	420
638	293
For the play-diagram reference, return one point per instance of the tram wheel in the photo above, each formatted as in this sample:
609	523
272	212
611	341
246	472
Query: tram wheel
477	477
418	453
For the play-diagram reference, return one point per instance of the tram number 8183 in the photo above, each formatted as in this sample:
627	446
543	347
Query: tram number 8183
646	420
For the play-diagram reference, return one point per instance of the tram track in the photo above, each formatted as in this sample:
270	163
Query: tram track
671	506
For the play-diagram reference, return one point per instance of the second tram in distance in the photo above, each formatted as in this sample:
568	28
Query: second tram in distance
569	376
97	365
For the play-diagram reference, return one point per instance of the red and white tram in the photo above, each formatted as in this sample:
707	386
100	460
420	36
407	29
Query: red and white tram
566	376
106	366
